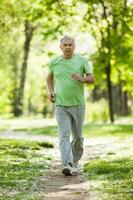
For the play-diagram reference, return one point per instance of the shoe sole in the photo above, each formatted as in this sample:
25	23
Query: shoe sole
66	172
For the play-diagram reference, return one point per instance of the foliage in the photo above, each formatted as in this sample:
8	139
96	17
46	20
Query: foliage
97	111
113	18
50	19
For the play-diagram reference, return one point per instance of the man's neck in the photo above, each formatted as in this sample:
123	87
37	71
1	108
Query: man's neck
68	57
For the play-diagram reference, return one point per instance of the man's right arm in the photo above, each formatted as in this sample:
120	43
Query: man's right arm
50	85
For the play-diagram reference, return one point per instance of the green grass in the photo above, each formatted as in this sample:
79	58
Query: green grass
98	130
89	130
21	164
112	180
47	130
21	167
111	175
23	144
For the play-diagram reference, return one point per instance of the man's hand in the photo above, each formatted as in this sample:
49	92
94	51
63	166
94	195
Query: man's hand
87	79
52	97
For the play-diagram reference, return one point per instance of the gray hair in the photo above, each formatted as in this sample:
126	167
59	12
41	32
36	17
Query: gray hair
66	37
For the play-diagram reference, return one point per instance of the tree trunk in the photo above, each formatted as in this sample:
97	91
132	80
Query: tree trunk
14	83
110	99
108	65
28	36
125	111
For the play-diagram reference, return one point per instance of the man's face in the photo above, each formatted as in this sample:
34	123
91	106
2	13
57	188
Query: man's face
67	47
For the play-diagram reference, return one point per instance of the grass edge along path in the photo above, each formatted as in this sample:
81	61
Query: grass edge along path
89	130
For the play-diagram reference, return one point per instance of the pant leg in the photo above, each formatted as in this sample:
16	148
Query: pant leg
77	127
64	125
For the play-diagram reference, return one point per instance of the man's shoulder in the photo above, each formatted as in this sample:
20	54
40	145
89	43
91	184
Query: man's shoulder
55	60
80	56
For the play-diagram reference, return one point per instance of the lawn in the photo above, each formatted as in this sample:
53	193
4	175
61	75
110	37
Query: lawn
111	179
110	176
48	127
89	130
103	130
21	167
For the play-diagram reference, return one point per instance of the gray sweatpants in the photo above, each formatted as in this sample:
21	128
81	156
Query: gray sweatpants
70	120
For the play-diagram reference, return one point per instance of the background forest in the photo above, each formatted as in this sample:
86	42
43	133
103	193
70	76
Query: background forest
30	31
29	37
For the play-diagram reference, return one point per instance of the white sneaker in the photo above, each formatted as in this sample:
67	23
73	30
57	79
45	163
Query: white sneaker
75	170
77	165
67	170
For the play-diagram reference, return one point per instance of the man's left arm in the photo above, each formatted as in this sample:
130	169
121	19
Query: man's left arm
89	78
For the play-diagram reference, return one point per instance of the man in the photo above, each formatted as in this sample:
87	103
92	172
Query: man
67	75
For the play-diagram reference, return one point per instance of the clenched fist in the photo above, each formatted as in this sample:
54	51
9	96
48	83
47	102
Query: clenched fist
52	97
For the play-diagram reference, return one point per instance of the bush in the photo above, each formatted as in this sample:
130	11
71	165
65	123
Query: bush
97	111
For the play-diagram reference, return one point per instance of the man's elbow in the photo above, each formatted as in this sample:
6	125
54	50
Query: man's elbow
49	78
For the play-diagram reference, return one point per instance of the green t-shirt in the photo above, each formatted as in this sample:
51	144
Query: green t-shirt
69	92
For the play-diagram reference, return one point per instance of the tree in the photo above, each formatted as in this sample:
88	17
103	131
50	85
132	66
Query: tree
104	19
31	18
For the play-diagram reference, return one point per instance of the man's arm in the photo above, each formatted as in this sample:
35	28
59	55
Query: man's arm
50	85
89	78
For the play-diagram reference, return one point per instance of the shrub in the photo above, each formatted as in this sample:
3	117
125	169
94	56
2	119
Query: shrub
97	111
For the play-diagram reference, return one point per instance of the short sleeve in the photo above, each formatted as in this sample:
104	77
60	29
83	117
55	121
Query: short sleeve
87	66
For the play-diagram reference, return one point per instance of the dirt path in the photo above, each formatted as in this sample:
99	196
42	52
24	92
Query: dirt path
59	187
54	185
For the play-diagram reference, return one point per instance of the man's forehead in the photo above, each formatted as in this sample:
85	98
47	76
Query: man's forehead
67	41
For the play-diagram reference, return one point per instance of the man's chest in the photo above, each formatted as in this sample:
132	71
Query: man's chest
68	68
